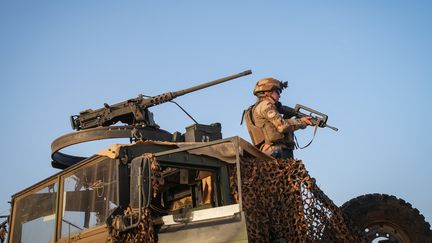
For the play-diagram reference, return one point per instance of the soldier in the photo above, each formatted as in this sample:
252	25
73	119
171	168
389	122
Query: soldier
269	131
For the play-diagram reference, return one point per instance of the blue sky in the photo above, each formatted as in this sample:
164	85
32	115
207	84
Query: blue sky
366	64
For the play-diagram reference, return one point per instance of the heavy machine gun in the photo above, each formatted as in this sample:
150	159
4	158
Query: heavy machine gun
135	111
92	125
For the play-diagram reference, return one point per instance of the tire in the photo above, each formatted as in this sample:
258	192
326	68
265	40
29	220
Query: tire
385	217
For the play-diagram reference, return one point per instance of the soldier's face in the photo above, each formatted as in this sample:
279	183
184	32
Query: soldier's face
275	94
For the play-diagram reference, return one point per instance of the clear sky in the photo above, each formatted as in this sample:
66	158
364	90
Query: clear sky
367	64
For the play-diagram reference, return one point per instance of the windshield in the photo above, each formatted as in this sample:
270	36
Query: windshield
90	194
35	215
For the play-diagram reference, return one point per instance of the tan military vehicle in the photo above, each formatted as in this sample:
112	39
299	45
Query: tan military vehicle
191	187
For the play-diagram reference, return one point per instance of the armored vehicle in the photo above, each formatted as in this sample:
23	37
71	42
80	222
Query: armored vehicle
191	187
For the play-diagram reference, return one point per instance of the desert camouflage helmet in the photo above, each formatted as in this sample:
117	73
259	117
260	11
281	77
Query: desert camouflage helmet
269	84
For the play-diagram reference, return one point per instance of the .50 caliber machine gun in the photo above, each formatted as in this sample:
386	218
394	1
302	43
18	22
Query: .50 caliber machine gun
134	111
138	124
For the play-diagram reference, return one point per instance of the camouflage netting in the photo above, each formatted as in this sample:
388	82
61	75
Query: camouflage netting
284	204
3	232
144	232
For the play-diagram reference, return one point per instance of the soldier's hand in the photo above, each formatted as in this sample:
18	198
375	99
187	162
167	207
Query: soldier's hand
307	120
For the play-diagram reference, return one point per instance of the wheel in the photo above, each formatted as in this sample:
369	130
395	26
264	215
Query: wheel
385	218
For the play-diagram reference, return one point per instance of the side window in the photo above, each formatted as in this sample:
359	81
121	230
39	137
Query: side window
90	195
179	189
187	188
34	216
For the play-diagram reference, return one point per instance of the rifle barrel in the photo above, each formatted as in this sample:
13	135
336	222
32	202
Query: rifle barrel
331	127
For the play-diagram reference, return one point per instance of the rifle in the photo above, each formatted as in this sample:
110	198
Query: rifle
135	111
318	119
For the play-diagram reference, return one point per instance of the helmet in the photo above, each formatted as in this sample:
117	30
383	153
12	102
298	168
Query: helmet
269	84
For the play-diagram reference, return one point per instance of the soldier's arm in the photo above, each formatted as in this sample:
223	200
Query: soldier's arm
295	124
282	125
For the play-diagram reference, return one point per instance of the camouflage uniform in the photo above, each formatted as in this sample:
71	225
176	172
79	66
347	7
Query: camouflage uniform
269	131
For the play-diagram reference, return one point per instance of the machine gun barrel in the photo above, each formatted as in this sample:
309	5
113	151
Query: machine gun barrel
165	97
134	111
214	82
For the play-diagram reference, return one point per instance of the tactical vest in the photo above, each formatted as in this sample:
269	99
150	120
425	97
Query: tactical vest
261	132
256	133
